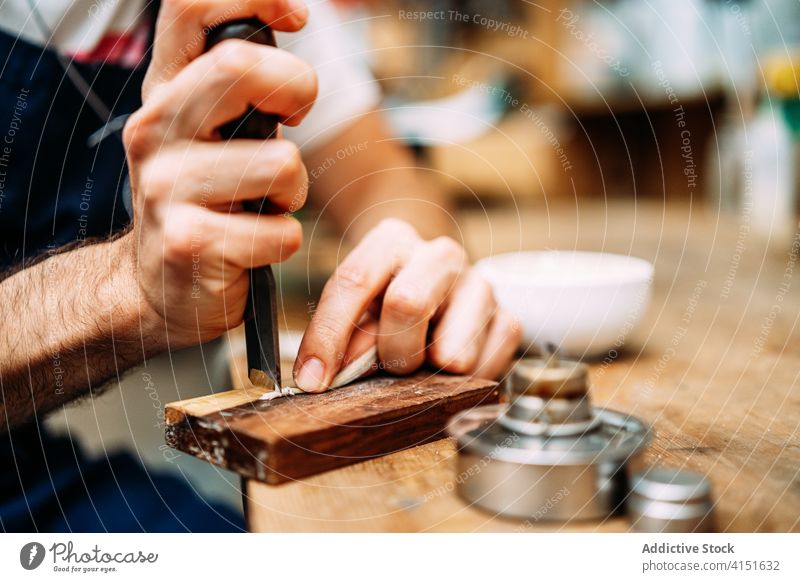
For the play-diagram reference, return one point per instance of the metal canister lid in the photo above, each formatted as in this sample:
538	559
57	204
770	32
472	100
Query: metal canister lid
670	500
616	438
665	484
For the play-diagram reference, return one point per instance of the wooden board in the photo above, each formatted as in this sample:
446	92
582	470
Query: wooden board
288	438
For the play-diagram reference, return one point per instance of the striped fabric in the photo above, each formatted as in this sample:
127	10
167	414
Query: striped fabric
90	31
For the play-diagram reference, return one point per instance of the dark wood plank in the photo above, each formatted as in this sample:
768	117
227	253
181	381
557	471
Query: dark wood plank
289	438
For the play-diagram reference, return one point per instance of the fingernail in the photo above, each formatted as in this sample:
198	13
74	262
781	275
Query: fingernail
311	376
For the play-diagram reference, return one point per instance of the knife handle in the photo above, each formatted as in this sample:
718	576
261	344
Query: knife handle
254	124
261	310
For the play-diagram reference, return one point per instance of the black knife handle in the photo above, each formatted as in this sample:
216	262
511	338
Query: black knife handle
261	332
254	124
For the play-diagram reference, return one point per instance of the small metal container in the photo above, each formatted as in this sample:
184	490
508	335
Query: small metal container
547	455
670	501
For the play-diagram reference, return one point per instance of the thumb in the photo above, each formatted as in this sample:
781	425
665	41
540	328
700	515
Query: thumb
360	360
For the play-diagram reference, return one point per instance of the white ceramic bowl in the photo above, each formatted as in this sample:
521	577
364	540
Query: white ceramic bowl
584	303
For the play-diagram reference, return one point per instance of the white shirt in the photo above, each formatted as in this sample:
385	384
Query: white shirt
347	88
87	29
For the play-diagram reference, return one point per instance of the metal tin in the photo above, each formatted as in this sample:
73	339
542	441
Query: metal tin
549	378
546	475
670	501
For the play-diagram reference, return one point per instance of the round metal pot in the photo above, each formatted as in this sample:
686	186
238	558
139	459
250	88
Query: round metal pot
546	477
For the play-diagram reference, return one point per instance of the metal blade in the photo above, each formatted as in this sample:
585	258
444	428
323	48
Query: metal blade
261	330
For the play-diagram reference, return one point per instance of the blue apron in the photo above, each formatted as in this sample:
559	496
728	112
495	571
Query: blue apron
55	189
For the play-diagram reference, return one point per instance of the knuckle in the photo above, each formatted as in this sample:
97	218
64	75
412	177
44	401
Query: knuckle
484	289
130	132
397	237
184	6
395	227
406	303
302	82
231	59
309	83
447	247
291	160
292	239
350	278
178	240
156	180
278	163
300	195
136	135
449	362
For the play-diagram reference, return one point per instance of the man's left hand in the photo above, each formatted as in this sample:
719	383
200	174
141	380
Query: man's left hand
420	301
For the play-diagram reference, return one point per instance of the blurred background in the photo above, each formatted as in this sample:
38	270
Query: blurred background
549	124
513	101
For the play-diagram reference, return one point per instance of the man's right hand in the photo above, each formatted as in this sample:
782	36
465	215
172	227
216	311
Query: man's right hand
191	244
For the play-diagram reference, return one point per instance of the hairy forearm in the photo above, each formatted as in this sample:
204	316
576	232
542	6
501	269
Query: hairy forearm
364	175
72	322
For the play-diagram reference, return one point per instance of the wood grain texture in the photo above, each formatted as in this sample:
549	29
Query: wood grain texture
409	491
289	438
714	367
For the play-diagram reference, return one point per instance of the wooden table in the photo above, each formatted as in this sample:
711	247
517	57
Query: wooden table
714	367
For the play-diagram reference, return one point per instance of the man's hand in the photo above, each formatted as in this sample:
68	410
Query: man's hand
192	244
419	300
86	313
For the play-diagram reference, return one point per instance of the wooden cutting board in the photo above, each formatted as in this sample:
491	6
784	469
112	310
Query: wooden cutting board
297	436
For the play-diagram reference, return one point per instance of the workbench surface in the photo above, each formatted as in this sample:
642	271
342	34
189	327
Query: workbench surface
714	368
